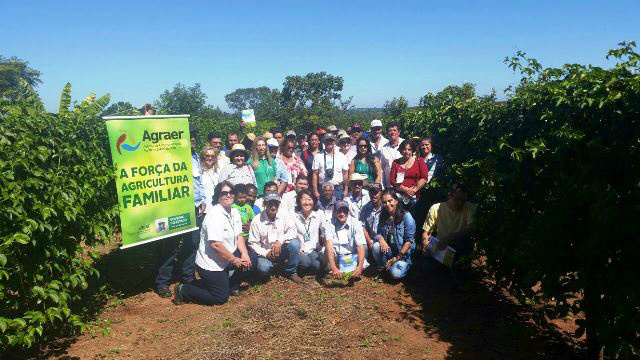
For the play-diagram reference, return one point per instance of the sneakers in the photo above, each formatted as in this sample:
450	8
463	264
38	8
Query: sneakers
295	278
163	291
178	299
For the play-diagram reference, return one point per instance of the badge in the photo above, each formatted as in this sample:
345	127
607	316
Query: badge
399	177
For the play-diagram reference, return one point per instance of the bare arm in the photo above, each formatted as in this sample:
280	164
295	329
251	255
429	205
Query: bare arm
376	163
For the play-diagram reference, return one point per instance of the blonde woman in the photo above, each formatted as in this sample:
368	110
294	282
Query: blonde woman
210	169
264	166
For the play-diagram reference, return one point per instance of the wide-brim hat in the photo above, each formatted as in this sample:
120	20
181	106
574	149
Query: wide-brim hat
251	136
358	177
332	128
238	148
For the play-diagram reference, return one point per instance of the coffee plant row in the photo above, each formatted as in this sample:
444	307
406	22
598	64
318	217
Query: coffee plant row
556	170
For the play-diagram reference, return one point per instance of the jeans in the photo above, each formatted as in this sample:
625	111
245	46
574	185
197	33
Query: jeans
310	262
289	251
186	253
398	270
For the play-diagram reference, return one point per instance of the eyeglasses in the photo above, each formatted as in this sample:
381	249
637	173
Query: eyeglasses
226	193
342	211
363	146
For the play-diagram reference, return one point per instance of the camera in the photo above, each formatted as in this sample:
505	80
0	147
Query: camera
328	174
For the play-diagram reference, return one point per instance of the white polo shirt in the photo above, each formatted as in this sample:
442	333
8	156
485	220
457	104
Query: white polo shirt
387	154
345	237
309	230
218	225
336	161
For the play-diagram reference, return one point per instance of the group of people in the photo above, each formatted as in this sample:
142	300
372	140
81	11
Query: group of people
327	203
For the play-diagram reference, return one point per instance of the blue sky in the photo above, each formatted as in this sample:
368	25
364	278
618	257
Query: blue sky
134	50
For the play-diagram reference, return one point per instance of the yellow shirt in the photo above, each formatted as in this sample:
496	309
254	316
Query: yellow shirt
445	221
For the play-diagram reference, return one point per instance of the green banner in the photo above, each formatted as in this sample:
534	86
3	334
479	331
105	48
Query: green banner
152	160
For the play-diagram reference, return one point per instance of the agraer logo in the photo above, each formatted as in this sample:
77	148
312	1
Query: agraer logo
120	143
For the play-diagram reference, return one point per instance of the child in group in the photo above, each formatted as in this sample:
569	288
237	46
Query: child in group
245	209
252	195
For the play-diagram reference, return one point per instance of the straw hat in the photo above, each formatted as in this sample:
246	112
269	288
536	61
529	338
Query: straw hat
238	148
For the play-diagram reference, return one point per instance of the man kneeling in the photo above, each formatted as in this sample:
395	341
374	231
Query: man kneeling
273	238
345	242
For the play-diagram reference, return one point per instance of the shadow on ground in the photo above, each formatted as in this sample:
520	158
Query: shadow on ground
482	322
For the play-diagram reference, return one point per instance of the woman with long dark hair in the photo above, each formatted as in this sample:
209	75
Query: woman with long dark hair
365	163
395	240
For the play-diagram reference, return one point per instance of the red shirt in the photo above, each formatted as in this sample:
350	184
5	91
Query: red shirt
416	172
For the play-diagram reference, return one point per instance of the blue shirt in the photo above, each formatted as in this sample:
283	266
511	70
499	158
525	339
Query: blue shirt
198	189
403	232
369	217
256	210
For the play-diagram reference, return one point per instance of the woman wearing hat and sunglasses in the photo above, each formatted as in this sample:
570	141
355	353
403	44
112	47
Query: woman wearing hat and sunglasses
238	172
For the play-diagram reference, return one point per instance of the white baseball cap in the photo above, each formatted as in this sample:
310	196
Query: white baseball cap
272	142
376	123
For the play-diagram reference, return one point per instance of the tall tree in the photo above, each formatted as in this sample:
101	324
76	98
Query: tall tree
314	96
246	98
181	100
393	108
264	101
12	72
122	108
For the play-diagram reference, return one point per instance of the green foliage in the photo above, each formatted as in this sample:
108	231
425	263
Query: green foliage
395	107
13	71
556	171
264	101
56	196
121	108
312	100
181	100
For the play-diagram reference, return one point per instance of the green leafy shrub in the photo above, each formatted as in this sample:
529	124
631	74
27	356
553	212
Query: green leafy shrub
556	169
57	198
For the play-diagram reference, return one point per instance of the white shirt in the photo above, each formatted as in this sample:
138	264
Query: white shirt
338	162
288	203
349	155
345	237
209	182
387	154
263	232
218	225
383	142
309	230
356	205
237	175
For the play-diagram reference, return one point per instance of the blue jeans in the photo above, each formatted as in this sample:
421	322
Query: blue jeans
187	254
398	270
310	262
289	251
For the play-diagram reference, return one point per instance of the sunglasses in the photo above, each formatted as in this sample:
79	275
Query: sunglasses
363	146
226	193
342	211
357	183
209	156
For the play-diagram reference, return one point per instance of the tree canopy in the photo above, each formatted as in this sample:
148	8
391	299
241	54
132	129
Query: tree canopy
12	72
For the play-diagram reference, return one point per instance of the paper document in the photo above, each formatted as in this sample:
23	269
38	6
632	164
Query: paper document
445	257
248	116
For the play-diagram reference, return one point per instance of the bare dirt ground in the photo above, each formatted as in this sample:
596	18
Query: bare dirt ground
420	318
